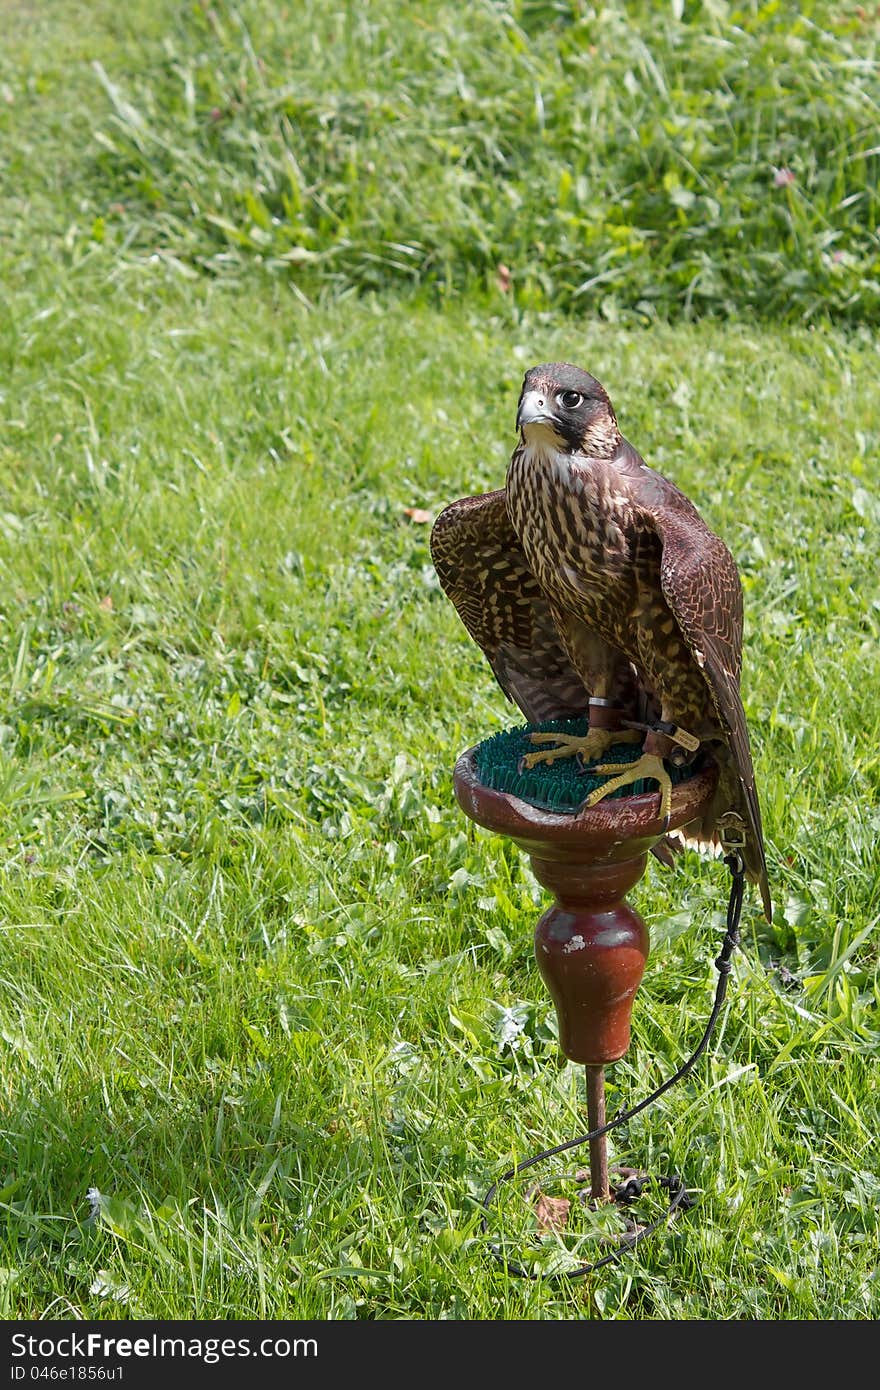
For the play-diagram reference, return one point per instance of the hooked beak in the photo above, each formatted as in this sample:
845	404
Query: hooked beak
533	410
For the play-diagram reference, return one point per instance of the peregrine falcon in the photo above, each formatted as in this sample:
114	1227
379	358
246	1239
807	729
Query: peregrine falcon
593	585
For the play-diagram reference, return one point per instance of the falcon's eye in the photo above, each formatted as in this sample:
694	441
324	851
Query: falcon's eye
570	399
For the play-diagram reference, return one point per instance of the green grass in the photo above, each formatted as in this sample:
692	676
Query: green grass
622	160
263	987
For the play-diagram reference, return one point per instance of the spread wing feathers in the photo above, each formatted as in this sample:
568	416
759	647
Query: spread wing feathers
482	568
701	585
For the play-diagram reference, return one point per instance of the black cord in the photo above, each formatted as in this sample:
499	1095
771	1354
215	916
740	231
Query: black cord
674	1184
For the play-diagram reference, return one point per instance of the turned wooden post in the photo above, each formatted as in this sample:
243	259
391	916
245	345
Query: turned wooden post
590	945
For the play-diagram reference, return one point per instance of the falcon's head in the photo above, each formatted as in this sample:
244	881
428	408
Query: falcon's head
563	407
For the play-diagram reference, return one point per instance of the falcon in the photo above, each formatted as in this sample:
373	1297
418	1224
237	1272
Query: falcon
593	586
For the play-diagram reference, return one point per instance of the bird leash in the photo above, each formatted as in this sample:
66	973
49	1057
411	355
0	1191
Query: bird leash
630	1190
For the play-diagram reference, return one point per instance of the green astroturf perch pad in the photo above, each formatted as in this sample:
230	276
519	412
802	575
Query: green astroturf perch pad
563	785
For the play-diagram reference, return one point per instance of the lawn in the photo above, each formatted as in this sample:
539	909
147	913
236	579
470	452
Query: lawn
271	1022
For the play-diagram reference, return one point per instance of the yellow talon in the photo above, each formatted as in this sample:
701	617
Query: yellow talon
647	766
590	745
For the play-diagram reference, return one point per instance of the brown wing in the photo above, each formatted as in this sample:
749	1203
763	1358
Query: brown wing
701	585
482	568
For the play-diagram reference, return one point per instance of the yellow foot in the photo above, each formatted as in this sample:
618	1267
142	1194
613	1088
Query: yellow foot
590	745
648	765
